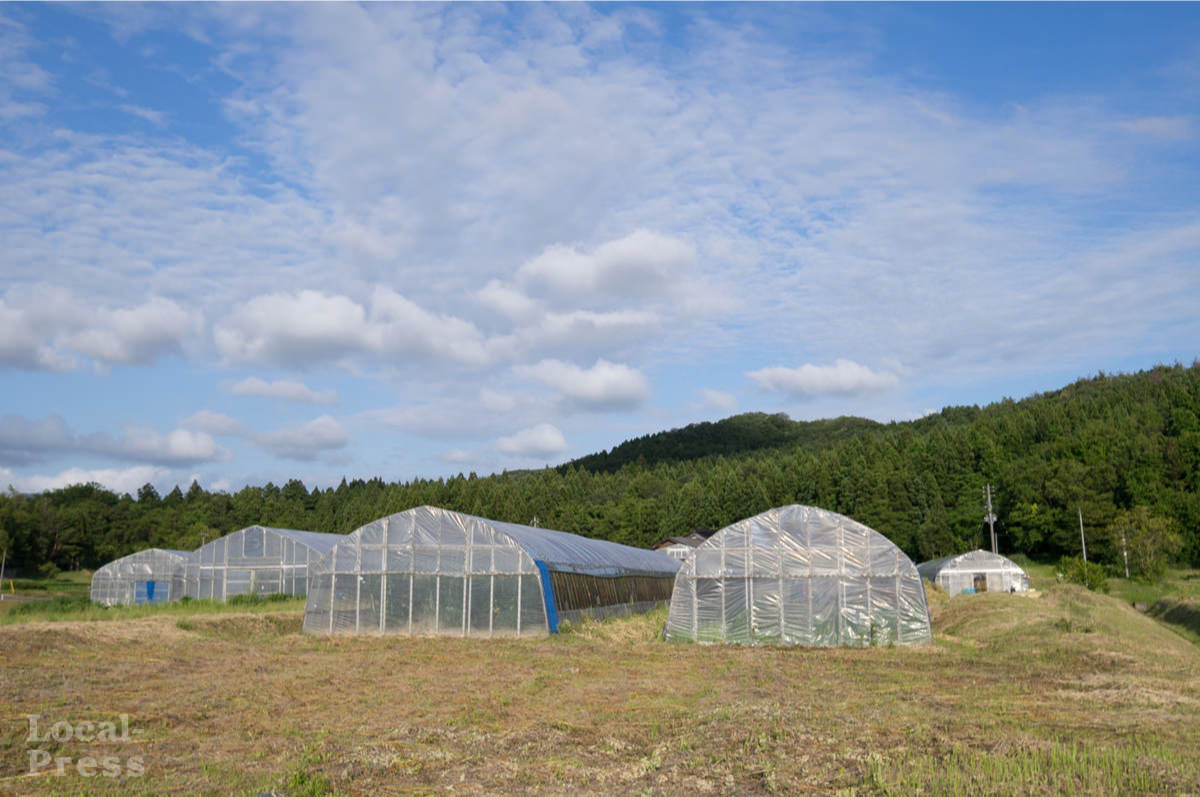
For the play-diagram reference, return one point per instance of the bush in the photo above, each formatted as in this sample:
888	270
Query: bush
48	570
1088	574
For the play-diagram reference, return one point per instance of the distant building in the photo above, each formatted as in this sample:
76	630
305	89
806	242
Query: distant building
681	547
975	571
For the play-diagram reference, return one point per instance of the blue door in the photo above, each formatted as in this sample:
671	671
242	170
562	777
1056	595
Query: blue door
150	592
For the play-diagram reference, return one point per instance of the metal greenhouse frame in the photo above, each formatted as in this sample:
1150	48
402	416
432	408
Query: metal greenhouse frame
975	571
433	571
256	560
799	575
143	577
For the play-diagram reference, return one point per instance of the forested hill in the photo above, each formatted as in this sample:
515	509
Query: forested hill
1123	449
741	434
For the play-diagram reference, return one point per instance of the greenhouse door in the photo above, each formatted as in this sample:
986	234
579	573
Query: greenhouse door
981	582
150	592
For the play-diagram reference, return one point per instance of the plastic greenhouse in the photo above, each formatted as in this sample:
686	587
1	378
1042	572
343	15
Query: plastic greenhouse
256	560
799	575
432	571
975	571
142	577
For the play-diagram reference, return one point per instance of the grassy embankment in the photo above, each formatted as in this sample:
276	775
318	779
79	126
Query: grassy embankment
1066	691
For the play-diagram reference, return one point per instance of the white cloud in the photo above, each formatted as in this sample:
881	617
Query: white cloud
293	329
119	480
604	386
641	263
156	118
307	441
508	301
309	327
43	328
179	446
497	401
457	456
1168	128
536	441
576	332
24	441
284	389
135	336
843	378
317	438
718	400
217	423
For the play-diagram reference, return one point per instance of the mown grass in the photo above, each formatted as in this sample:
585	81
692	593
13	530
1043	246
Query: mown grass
1065	691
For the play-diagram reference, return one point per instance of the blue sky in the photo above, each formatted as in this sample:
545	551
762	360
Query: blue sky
245	243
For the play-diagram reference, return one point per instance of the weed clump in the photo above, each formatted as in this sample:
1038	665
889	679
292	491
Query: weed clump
1074	570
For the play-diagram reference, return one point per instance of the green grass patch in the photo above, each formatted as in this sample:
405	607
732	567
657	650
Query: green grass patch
1182	615
1019	764
81	609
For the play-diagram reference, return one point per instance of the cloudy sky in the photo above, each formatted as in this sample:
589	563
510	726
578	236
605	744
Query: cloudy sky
242	243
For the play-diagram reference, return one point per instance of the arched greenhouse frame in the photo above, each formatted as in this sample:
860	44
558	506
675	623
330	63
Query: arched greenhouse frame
975	571
257	560
431	571
798	575
148	576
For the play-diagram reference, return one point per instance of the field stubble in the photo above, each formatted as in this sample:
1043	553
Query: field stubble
1063	691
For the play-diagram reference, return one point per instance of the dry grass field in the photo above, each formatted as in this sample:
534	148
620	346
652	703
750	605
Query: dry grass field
1065	691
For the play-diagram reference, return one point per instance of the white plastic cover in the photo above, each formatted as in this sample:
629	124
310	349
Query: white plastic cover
975	571
142	577
434	571
799	575
255	560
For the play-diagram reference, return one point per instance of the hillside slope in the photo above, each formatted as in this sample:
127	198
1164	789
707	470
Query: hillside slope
1124	450
739	434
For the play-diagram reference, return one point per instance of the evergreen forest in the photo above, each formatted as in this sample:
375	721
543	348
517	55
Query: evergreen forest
1122	450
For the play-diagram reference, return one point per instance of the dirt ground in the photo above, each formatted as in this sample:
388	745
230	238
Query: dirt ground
1062	692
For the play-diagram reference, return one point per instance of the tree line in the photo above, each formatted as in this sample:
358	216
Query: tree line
1123	449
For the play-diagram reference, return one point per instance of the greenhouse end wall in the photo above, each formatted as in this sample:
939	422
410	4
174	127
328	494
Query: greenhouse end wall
148	576
431	571
799	575
256	560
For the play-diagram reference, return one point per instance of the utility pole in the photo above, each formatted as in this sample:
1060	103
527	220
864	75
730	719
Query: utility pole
1082	539
991	519
1124	551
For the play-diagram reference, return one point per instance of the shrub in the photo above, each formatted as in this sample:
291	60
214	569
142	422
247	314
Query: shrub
1089	574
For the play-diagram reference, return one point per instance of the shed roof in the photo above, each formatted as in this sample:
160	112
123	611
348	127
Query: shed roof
977	560
318	541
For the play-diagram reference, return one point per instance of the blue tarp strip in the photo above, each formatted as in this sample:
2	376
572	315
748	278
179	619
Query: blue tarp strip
548	594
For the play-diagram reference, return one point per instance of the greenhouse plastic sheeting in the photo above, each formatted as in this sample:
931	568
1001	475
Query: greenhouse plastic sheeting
799	575
434	571
256	560
975	571
142	577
